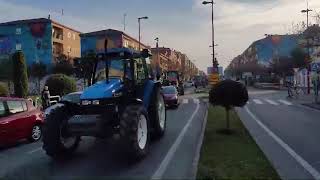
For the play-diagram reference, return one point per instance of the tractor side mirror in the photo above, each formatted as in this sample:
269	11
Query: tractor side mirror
145	53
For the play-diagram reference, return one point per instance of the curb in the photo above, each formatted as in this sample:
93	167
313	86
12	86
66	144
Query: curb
199	145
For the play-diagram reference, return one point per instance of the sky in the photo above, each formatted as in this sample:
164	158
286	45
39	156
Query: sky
184	25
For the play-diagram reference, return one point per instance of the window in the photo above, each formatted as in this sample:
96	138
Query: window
18	31
69	34
24	106
15	107
140	71
2	109
18	47
74	36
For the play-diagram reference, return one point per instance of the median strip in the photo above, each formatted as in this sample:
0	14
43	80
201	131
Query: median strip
234	155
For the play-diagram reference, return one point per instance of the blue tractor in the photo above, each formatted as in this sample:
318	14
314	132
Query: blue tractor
124	102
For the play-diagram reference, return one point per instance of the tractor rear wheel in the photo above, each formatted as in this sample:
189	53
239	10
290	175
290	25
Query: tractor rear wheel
134	130
57	141
158	115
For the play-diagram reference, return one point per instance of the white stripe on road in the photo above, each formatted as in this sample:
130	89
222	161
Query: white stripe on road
165	162
196	101
271	102
257	101
185	101
35	150
285	102
299	159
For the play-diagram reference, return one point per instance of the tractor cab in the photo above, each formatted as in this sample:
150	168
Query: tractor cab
118	71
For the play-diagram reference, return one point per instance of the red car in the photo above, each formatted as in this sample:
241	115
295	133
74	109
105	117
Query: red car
170	94
19	119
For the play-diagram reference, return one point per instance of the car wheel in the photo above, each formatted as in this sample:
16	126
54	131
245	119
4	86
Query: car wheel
36	133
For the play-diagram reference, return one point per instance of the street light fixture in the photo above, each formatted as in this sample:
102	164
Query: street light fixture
214	45
139	19
212	3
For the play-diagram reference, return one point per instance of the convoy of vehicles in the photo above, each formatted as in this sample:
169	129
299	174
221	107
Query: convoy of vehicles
19	119
174	78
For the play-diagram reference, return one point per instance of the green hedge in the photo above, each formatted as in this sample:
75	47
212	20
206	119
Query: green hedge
3	90
60	84
20	77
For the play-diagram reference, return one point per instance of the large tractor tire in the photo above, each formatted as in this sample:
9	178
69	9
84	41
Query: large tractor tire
134	130
158	114
57	141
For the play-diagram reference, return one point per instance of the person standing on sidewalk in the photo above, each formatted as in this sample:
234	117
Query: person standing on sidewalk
45	97
316	84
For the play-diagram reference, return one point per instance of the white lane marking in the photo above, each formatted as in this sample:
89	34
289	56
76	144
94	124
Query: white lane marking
272	102
257	101
165	162
185	101
299	159
285	102
196	101
35	150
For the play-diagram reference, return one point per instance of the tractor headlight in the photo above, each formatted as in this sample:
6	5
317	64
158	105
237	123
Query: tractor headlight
85	102
117	94
95	102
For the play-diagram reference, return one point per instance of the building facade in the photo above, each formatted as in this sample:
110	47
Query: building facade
94	41
41	40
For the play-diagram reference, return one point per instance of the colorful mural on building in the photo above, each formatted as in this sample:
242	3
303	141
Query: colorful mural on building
34	39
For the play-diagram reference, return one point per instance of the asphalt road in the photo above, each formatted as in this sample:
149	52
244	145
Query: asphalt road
288	133
170	157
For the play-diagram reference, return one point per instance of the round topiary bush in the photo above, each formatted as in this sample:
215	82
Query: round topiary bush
60	84
3	90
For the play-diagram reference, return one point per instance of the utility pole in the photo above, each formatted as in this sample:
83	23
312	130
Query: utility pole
124	21
308	47
139	22
212	24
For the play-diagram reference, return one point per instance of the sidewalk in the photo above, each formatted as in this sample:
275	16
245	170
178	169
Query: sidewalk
308	100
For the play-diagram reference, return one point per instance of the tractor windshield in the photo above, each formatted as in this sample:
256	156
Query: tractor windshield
116	69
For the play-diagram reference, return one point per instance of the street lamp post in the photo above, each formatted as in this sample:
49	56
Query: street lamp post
308	46
158	60
139	19
212	24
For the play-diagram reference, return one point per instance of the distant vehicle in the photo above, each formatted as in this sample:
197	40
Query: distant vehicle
175	79
72	97
188	84
170	94
19	119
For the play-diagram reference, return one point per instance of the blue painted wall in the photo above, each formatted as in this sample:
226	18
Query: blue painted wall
35	40
281	46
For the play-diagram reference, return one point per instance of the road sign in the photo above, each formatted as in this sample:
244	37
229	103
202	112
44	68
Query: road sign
214	78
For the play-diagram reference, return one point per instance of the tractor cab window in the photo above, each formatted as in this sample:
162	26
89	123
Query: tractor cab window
116	69
140	71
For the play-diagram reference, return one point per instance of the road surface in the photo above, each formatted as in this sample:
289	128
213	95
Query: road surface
287	132
170	157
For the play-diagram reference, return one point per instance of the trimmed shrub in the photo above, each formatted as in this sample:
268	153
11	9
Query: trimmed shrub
20	76
3	90
60	84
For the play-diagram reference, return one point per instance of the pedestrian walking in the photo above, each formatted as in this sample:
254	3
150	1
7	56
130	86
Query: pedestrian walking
45	97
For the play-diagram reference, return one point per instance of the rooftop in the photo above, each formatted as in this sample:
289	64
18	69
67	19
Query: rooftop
109	32
36	20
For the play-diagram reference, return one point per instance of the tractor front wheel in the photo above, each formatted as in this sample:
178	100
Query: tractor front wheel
134	130
57	141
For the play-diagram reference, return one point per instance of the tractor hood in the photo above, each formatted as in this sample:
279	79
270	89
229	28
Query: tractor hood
102	89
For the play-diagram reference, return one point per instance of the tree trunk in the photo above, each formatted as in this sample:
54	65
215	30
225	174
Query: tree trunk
228	118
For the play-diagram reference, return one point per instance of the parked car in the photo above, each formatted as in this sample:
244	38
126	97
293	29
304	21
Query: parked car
19	119
170	94
72	97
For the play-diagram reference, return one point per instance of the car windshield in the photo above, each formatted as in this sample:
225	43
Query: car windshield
169	90
2	109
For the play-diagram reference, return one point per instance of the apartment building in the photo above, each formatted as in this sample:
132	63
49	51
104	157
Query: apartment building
41	40
94	41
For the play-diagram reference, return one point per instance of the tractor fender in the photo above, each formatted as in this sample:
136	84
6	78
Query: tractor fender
51	108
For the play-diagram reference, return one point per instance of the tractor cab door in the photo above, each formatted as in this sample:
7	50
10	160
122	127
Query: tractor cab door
143	85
